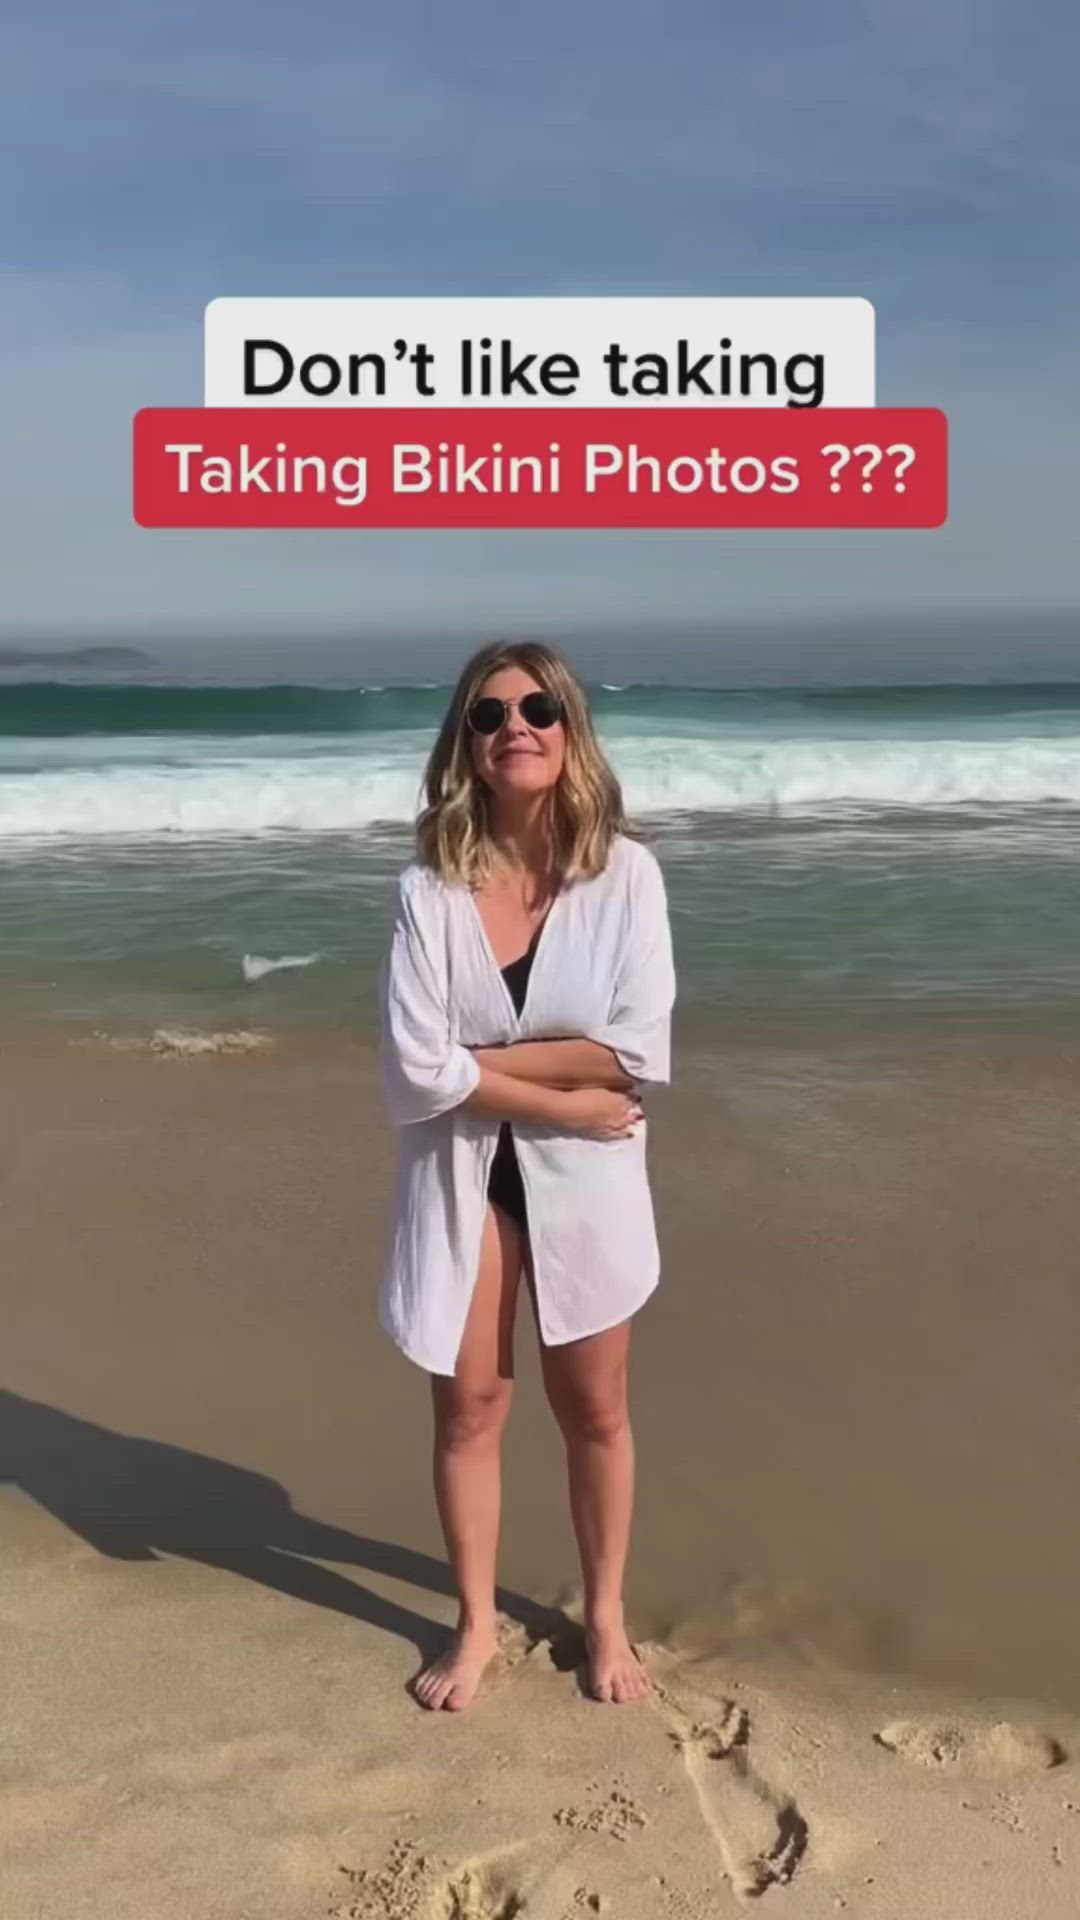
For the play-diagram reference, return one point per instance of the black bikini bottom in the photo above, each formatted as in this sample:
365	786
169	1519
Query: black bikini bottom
505	1186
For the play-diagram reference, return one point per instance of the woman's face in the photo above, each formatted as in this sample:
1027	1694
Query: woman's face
518	759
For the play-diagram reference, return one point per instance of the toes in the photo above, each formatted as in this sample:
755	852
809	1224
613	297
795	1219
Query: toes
640	1684
452	1680
616	1671
431	1688
629	1683
453	1690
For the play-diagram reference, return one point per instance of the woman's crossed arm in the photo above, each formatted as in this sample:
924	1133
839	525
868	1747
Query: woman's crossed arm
562	1064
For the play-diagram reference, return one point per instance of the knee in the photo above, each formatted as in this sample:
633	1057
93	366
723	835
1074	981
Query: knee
473	1416
600	1418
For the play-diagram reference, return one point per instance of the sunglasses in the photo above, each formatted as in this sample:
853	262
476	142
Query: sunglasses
539	710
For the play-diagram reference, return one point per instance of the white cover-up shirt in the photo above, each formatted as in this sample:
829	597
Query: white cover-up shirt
603	970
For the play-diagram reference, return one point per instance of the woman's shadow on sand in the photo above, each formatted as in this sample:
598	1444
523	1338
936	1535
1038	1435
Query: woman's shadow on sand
137	1499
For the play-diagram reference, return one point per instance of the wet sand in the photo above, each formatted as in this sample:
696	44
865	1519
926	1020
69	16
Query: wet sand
857	1407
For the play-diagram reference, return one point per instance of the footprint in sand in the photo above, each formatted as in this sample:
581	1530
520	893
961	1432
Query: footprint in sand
615	1813
992	1749
396	1891
478	1893
408	1887
760	1834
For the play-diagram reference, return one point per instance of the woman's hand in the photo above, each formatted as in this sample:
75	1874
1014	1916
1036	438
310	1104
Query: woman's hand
601	1112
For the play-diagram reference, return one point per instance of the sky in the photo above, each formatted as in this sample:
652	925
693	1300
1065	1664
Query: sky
923	155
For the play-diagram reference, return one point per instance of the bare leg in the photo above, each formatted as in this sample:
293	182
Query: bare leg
470	1413
586	1386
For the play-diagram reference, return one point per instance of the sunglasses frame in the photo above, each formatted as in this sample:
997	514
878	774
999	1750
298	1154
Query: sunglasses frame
541	693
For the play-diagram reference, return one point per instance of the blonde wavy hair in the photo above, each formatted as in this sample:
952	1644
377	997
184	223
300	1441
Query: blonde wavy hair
453	831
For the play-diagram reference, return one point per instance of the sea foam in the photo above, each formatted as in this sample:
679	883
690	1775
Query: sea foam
205	794
255	966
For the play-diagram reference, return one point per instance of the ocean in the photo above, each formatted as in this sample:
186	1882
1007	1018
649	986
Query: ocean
856	1411
215	857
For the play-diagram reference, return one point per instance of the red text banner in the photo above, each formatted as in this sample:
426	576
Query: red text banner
546	467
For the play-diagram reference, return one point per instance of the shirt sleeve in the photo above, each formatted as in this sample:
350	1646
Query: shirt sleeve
638	1029
423	1070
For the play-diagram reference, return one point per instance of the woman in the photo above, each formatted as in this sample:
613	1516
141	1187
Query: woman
526	996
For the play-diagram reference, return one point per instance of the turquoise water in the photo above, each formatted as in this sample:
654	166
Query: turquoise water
226	855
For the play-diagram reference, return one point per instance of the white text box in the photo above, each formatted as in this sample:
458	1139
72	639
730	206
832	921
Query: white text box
499	352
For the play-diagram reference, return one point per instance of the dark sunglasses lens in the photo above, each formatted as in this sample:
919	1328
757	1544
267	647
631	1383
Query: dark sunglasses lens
541	709
486	716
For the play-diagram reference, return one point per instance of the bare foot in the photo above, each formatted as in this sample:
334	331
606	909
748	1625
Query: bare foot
451	1680
615	1671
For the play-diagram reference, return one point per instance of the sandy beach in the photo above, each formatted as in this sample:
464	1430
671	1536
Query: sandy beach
856	1570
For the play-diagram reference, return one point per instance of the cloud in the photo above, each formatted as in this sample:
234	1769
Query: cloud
230	143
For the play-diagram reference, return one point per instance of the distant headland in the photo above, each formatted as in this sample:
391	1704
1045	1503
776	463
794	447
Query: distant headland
75	657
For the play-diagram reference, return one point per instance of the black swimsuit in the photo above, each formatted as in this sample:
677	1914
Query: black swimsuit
505	1185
